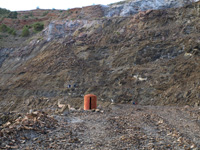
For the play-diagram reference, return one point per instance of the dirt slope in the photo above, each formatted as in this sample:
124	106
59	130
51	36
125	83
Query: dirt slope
151	58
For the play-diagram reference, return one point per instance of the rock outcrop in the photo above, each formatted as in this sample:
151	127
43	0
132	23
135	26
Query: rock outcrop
131	7
67	28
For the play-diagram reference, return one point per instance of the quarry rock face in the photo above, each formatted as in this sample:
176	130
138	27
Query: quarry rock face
64	28
121	9
149	57
60	28
128	8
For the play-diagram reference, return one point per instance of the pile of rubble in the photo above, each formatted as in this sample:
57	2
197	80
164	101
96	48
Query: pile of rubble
25	128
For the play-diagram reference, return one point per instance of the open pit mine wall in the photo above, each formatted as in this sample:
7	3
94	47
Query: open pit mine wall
151	57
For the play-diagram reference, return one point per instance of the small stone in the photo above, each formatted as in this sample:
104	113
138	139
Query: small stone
23	141
7	124
13	147
169	134
192	146
160	122
123	137
168	146
180	139
196	104
150	144
97	110
23	138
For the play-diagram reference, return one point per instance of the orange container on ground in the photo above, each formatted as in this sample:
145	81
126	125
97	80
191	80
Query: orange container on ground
90	102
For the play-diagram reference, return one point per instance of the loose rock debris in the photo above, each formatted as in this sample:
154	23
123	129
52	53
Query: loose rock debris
24	128
118	126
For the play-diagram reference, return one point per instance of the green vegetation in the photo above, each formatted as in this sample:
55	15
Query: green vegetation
4	28
28	16
45	13
12	31
31	14
8	13
25	32
25	17
4	12
117	33
28	26
13	15
38	26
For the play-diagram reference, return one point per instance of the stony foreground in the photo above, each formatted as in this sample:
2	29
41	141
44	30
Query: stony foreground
116	127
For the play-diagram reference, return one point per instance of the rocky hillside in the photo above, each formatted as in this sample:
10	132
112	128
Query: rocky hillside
131	7
117	52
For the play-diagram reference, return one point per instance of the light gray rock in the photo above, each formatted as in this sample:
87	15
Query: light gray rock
129	8
67	28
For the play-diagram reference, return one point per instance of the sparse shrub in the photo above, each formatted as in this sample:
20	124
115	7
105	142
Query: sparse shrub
13	15
25	16
31	14
4	12
2	18
28	26
45	13
25	32
38	26
14	33
117	33
3	28
10	30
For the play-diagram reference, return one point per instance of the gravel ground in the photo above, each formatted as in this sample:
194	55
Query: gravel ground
118	127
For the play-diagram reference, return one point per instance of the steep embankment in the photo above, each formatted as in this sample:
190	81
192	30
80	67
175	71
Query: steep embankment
151	57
